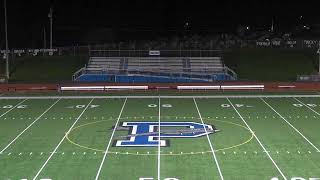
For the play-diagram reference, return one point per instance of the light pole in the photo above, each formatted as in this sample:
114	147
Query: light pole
6	32
318	52
50	16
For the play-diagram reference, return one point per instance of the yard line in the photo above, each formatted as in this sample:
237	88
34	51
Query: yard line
107	149
12	108
211	146
265	150
28	127
55	149
307	106
291	125
159	140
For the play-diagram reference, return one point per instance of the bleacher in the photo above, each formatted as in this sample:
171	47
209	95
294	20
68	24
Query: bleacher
97	64
155	69
152	64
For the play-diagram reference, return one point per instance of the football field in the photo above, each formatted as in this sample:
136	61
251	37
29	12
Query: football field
262	137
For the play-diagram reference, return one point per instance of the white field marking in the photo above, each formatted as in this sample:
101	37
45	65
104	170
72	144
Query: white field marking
107	149
55	149
29	126
307	106
12	108
274	163
211	146
153	97
291	125
159	140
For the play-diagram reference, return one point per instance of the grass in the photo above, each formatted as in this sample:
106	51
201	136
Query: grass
289	132
45	69
267	64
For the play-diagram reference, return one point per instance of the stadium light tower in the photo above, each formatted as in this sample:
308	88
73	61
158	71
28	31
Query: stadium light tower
6	32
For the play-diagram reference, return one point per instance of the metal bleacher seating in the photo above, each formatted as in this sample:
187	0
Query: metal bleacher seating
194	68
156	64
103	64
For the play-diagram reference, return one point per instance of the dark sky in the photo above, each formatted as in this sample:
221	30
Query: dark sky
28	17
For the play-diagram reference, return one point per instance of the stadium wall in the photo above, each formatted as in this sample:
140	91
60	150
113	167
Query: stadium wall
227	86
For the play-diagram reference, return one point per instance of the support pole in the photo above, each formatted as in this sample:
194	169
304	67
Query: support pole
7	44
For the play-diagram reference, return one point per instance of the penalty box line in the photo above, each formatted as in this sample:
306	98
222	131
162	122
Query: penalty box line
208	138
55	149
109	143
28	127
265	150
304	137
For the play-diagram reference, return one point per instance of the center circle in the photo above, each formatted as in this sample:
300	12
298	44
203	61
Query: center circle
99	149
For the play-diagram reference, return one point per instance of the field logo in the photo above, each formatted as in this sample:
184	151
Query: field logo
145	134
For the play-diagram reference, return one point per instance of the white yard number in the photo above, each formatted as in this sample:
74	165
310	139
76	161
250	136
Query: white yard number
152	105
11	106
167	106
225	105
81	106
163	105
21	106
301	105
228	105
40	179
150	178
7	107
298	178
297	105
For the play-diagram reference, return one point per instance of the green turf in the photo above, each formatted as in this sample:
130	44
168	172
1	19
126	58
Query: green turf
268	64
291	139
44	69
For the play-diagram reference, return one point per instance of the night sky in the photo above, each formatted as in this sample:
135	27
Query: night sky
27	18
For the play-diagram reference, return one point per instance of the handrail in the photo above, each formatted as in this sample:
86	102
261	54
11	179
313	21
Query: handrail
233	74
78	73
